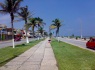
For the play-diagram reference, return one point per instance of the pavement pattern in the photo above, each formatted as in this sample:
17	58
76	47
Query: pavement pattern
39	57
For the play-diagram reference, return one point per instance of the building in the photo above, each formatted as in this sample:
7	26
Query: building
29	33
3	32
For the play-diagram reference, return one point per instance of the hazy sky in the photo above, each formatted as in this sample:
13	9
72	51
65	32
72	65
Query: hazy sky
74	13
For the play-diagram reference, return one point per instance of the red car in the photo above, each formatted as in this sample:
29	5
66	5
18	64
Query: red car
91	43
17	37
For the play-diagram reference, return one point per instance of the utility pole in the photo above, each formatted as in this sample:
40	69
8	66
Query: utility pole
81	29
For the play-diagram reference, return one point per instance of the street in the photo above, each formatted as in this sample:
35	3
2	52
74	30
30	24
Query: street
80	43
75	42
9	43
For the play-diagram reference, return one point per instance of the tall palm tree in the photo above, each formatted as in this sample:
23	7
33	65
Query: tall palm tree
40	23
56	24
33	24
24	14
11	7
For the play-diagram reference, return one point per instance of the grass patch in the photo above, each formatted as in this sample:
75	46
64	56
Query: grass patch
8	53
71	57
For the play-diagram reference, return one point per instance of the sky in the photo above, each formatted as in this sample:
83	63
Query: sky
76	15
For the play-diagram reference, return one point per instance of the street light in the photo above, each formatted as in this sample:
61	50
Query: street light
81	30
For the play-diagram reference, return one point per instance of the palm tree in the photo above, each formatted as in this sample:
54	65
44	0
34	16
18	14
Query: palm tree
33	24
24	14
11	7
56	24
40	23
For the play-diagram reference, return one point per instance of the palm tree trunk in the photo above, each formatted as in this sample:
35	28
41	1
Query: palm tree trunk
49	32
33	30
27	40
58	33
12	18
38	33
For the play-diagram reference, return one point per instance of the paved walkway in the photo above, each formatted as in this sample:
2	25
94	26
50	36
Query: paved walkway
39	57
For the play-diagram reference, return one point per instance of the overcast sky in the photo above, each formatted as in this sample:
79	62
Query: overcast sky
74	13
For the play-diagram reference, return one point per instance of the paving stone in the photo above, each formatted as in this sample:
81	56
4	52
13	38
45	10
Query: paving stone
29	67
9	67
36	59
32	63
20	59
48	62
48	67
14	63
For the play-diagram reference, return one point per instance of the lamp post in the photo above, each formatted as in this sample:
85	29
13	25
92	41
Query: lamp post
81	30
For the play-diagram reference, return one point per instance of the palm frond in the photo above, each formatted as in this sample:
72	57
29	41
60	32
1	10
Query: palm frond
24	13
40	22
27	26
52	26
2	6
20	15
30	14
3	11
16	4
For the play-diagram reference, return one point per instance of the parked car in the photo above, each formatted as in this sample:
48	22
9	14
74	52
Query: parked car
17	37
91	43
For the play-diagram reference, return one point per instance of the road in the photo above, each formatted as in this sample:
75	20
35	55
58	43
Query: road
9	43
80	43
75	42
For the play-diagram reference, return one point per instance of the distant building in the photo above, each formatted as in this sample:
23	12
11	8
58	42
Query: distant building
3	32
9	33
29	33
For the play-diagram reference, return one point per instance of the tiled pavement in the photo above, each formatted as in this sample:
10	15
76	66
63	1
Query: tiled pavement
39	57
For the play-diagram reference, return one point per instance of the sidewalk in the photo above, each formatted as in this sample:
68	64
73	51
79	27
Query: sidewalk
39	57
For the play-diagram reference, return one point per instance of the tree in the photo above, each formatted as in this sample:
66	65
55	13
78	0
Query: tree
40	23
24	14
56	24
33	24
45	33
50	35
11	7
